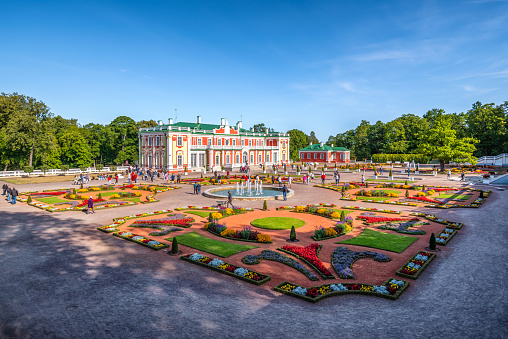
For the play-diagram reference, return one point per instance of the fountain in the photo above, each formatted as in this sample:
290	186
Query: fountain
250	187
261	187
237	190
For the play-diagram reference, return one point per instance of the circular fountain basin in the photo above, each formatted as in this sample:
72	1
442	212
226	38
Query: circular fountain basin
269	193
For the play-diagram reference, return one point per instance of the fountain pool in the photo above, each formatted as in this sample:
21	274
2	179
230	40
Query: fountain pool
265	193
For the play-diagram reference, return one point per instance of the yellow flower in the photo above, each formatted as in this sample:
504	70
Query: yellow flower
322	211
216	215
264	238
335	215
330	232
227	232
229	211
300	208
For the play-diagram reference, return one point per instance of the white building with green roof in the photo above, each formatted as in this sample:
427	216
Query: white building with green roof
196	146
324	153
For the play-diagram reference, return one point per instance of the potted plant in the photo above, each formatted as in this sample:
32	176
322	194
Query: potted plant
185	170
390	176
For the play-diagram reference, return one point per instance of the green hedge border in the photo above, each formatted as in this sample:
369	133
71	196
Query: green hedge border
420	270
307	262
331	294
447	223
260	282
141	243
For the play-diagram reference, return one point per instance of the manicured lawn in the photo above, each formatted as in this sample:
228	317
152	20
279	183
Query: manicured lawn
39	180
361	197
107	194
381	180
277	223
388	191
203	214
384	241
52	200
454	196
212	246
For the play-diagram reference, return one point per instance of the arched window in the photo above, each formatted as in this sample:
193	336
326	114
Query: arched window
237	160
179	160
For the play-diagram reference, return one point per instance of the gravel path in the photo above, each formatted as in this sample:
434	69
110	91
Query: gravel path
63	278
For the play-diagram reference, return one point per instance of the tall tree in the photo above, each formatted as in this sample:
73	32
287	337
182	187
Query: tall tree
362	147
299	140
312	138
376	138
261	128
488	124
75	148
126	139
442	143
146	123
395	137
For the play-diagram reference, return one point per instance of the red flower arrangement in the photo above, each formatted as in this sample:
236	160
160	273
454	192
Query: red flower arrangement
442	189
177	222
85	202
425	200
309	253
376	220
48	193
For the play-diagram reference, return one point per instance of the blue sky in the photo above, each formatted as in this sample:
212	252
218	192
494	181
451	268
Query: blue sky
311	65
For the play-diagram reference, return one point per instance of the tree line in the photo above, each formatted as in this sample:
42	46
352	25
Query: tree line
481	131
30	135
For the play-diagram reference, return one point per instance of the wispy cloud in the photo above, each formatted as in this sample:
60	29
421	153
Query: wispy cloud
500	74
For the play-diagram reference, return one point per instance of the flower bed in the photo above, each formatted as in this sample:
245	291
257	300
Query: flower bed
445	236
391	289
48	193
172	220
225	268
425	199
356	208
344	258
432	217
368	220
117	222
404	227
340	228
244	235
415	266
281	258
309	254
153	244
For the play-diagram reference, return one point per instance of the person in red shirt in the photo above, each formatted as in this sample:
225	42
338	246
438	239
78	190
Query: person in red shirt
323	177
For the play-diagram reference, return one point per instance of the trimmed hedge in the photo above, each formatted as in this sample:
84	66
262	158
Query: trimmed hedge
418	158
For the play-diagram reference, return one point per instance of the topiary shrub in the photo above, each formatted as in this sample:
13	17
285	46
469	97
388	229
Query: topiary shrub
391	175
74	191
29	200
210	217
123	186
405	183
174	246
343	189
407	193
432	242
481	194
292	235
81	186
265	205
342	216
99	196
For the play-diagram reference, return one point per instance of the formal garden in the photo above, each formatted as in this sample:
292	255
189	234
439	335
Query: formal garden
104	196
309	252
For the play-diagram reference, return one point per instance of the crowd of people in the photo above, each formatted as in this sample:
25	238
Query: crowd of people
11	193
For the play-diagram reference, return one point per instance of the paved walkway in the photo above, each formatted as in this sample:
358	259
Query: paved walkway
60	277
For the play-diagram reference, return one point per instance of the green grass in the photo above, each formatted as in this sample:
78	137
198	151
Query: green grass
361	197
388	191
107	194
454	196
203	214
381	180
52	200
384	241
212	246
277	223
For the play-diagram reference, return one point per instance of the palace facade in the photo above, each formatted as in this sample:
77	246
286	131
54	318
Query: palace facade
324	153
198	146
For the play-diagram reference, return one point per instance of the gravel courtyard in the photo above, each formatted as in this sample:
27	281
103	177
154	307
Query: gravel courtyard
61	278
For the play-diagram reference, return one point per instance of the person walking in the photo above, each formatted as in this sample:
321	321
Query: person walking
9	191
90	206
14	194
363	179
279	179
199	188
4	187
449	174
338	178
195	188
304	179
116	178
323	178
462	176
178	177
230	200
285	192
289	180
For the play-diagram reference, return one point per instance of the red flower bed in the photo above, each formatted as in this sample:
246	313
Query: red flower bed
375	220
309	253
442	189
176	222
129	186
432	201
49	193
85	202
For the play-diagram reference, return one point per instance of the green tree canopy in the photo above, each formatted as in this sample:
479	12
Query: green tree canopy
442	143
75	148
299	140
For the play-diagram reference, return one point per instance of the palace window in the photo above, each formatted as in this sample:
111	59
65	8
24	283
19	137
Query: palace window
267	157
252	158
257	142
194	160
228	159
321	156
250	142
243	142
226	142
179	160
199	141
209	141
260	157
237	160
234	142
157	141
315	155
261	142
179	141
217	159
